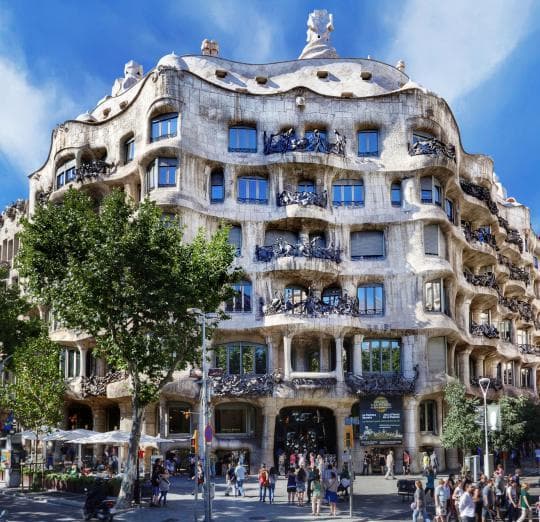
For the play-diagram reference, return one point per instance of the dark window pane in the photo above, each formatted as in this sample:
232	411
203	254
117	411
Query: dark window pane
395	194
179	419
260	360
234	360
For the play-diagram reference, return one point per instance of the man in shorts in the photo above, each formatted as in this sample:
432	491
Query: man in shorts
440	502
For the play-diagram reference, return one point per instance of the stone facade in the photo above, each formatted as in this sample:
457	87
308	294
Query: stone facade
436	277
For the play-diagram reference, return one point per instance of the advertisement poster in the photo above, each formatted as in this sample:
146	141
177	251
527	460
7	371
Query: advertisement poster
381	421
5	459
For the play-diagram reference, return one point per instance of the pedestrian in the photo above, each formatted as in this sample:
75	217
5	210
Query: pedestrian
434	462
440	502
198	480
301	477
292	460
365	465
154	479
478	502
291	486
230	477
456	495
430	482
331	492
310	477
164	485
525	503
466	505
488	501
419	504
382	462
240	475
263	483
311	459
425	461
389	465
512	499
272	479
406	462
316	494
302	460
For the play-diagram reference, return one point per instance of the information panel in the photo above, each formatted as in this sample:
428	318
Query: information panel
381	421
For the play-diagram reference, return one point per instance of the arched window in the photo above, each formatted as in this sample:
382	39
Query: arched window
331	295
252	189
348	193
421	136
241	358
241	301
368	143
66	173
242	138
395	194
313	361
428	416
235	238
295	296
272	236
217	186
164	126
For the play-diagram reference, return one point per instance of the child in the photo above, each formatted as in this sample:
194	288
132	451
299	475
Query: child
164	485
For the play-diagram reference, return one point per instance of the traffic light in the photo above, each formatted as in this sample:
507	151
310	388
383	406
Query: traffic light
349	438
195	442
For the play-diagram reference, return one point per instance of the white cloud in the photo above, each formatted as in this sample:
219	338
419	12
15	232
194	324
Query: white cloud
452	47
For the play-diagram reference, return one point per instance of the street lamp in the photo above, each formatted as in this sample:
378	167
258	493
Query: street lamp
204	423
484	383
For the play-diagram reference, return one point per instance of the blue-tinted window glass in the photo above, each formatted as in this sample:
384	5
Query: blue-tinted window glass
368	143
217	188
252	190
129	150
242	139
164	126
371	300
70	174
60	180
260	360
167	172
395	194
306	186
348	193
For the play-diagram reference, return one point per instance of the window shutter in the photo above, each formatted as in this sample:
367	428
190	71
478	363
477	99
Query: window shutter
431	240
369	243
436	355
235	238
426	183
272	236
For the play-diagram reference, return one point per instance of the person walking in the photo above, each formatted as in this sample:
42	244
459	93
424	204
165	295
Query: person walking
263	483
164	485
198	480
157	470
406	463
430	483
316	493
331	492
230	478
425	461
291	486
310	477
466	505
488	501
419	504
389	465
440	502
512	499
240	474
434	462
365	465
272	479
525	503
301	477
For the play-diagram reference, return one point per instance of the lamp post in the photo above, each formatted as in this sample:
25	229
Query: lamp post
205	417
484	383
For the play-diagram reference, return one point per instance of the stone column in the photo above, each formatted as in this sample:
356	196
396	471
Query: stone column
339	359
99	423
479	364
341	414
465	374
163	417
125	425
357	354
516	377
270	352
82	355
441	452
535	380
409	343
410	430
286	357
130	189
450	359
267	442
466	308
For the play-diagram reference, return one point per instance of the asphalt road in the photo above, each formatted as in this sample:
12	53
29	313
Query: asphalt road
26	510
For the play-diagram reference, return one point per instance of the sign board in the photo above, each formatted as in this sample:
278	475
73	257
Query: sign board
381	422
208	434
5	459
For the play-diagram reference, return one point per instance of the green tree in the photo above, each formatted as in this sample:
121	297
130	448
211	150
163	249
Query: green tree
16	327
513	423
532	417
125	275
459	428
36	396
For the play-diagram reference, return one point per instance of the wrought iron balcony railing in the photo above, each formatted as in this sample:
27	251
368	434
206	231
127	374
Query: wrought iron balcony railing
488	279
282	248
514	238
529	349
480	235
480	193
302	198
494	383
487	330
315	141
385	383
432	146
516	273
95	386
226	385
523	308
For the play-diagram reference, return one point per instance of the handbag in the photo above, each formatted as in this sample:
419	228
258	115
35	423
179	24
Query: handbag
413	506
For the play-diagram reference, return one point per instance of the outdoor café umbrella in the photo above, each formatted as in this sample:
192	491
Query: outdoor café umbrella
69	435
115	438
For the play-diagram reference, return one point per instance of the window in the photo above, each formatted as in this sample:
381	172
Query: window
367	244
60	179
431	191
535	262
321	140
238	419
428	416
331	296
395	194
522	337
72	363
306	186
241	301
217	186
235	238
161	173
421	136
508	372
179	418
295	295
371	299
242	358
381	356
436	355
66	173
71	174
129	149
253	189
526	378
164	126
450	210
242	139
431	240
433	296
348	193
368	143
505	330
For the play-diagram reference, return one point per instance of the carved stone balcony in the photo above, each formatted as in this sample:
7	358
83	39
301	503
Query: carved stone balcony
282	248
244	385
480	193
530	349
523	308
488	279
387	384
516	273
315	141
302	198
514	238
480	235
487	330
432	146
95	386
494	383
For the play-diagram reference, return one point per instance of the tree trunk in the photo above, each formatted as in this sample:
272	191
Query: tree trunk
125	496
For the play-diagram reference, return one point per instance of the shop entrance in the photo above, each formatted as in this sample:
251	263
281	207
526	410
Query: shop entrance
304	430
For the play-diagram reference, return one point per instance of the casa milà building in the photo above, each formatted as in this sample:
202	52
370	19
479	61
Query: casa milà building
381	260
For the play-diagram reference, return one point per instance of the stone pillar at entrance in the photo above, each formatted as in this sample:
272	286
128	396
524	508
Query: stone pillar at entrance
441	453
99	423
163	432
357	354
268	431
286	358
410	430
535	380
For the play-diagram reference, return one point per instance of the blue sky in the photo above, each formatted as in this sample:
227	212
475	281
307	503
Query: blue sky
59	57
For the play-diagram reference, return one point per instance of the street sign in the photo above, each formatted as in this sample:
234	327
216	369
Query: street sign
208	434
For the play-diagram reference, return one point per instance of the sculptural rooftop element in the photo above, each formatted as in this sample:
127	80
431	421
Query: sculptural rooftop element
133	72
320	24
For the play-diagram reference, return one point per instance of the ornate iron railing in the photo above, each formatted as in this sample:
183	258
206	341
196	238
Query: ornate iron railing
95	386
494	383
529	349
432	146
282	248
514	238
302	198
325	382
480	235
488	279
487	330
244	385
314	142
516	273
481	193
388	384
523	308
93	169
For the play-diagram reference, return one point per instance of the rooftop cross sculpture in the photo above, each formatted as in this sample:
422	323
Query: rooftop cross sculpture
320	24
